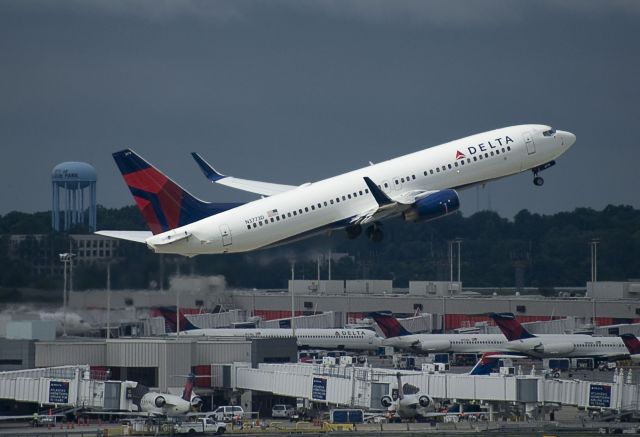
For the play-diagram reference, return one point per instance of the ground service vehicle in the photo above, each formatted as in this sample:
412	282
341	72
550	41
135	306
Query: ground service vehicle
226	413
201	425
282	410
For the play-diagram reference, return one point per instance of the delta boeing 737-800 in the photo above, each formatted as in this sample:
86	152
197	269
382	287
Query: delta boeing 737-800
416	187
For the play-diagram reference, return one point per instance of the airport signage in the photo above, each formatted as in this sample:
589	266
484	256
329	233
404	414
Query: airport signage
600	395
319	389
58	392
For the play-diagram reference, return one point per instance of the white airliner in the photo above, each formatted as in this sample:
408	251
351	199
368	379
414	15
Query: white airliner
307	338
557	345
416	187
398	337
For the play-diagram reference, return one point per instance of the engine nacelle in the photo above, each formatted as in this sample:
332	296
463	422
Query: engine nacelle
435	345
386	401
196	401
424	401
635	357
433	206
159	401
555	348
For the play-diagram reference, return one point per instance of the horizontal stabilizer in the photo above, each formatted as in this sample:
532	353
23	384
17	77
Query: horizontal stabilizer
263	188
137	236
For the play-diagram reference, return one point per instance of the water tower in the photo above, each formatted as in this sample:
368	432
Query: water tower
69	182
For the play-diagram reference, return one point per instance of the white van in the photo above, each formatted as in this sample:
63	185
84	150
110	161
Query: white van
226	413
282	410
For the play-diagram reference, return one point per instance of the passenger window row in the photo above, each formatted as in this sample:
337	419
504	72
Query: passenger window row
306	209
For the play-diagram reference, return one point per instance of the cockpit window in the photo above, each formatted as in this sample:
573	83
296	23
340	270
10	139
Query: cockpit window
549	132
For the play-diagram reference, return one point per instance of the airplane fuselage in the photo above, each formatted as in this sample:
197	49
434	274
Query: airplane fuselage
333	203
352	339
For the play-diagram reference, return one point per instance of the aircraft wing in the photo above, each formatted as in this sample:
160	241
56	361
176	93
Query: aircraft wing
388	206
137	236
264	188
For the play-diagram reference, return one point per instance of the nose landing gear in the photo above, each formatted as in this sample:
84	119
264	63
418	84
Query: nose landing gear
537	180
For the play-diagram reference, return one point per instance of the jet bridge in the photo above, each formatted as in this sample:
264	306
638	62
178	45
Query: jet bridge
66	386
364	386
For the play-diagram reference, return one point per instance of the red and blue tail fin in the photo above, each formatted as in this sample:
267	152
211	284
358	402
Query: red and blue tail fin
487	364
510	327
164	204
389	325
188	387
632	343
170	319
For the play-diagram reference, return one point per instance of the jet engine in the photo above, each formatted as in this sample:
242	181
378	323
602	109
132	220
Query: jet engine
424	401
559	348
159	401
386	401
435	345
196	402
435	205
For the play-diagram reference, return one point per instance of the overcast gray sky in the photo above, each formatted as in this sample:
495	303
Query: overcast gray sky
296	91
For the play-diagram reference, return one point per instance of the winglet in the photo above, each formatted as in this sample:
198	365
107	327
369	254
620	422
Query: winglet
206	168
377	193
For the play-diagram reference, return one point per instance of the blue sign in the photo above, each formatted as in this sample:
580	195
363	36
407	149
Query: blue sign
59	392
319	389
600	395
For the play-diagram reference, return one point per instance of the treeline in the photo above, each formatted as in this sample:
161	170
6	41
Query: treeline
532	250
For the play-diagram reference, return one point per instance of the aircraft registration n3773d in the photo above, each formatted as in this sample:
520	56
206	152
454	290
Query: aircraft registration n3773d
417	187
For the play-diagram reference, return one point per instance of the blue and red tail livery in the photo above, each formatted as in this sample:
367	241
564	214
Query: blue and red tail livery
389	325
487	364
170	319
188	387
510	327
632	343
163	203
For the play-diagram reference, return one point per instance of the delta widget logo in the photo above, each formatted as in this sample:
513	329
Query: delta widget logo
459	155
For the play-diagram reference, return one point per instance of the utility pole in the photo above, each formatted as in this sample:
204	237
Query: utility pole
293	312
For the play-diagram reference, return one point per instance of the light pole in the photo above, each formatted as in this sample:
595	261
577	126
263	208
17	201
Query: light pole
458	241
293	286
594	275
65	258
109	300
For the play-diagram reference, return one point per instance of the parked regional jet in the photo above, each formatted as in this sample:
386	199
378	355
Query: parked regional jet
553	345
411	406
337	338
151	403
417	187
632	344
399	337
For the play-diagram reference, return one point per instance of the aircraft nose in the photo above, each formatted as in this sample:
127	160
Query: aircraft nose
566	138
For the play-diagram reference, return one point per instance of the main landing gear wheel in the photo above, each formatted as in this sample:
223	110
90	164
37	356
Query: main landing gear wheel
538	181
375	234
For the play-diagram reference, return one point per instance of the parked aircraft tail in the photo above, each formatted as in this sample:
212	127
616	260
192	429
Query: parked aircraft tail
632	343
170	319
164	204
389	325
510	327
489	362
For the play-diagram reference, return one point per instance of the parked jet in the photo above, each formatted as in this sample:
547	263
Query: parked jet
165	404
399	337
335	338
415	404
417	187
632	344
553	345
